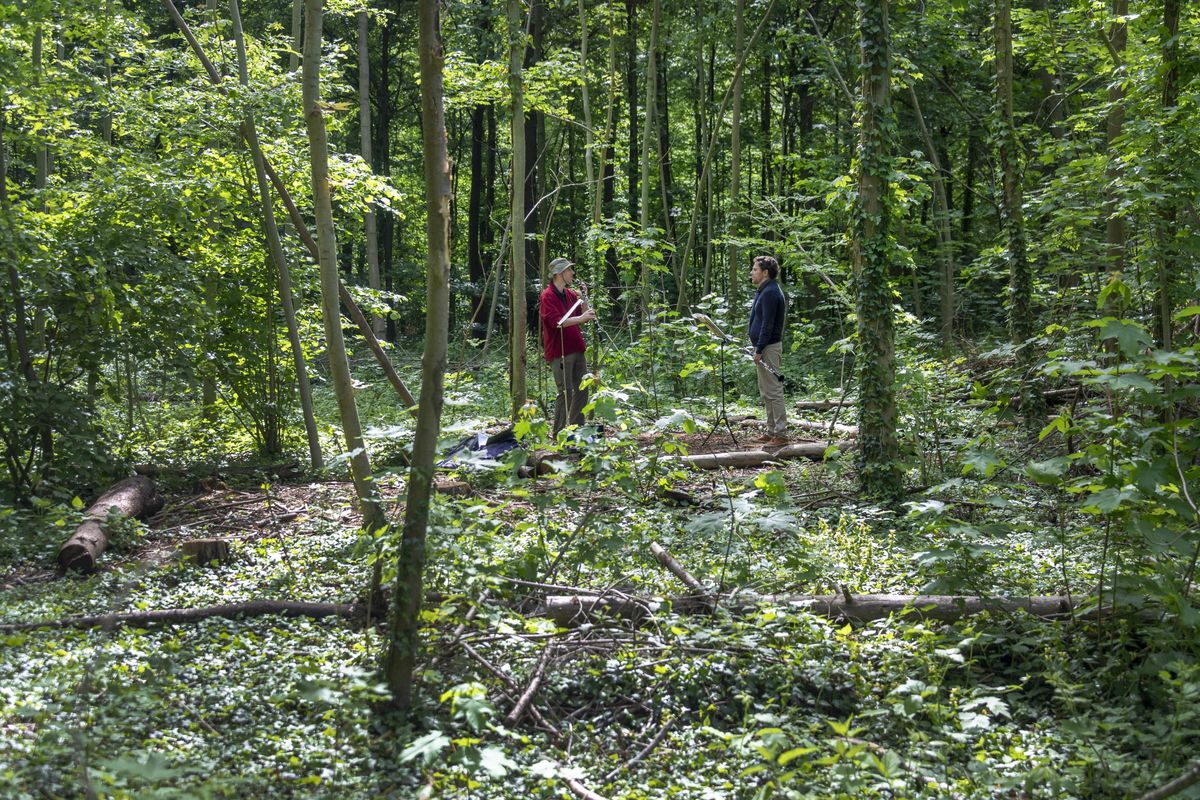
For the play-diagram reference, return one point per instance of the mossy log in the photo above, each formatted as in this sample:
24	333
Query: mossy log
130	498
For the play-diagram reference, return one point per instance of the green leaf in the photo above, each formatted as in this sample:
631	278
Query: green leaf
789	756
1048	472
426	748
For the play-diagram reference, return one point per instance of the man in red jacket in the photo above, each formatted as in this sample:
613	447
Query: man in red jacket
563	311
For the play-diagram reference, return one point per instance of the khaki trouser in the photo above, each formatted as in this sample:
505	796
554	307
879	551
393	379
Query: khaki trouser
771	390
568	374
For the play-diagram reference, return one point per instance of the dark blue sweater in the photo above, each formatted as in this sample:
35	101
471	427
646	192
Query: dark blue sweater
766	316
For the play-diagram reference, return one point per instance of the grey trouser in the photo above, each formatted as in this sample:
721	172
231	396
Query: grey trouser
568	374
771	390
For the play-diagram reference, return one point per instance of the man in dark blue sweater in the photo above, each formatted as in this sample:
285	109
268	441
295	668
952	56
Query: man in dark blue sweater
766	337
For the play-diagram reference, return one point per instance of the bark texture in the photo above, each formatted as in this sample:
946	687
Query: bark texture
131	498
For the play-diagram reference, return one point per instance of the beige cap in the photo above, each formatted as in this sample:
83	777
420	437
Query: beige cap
560	264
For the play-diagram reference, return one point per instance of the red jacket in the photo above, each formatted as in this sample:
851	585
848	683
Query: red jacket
558	342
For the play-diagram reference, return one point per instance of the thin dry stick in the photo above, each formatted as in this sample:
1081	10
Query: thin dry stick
504	678
535	682
645	751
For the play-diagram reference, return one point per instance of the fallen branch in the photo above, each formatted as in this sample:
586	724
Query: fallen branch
574	609
130	498
504	678
1187	779
178	616
675	568
535	682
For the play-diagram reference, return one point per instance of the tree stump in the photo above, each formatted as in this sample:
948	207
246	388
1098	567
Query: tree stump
205	551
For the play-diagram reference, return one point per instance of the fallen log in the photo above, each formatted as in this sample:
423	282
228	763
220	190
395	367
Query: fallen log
824	405
755	458
130	498
569	610
178	616
848	431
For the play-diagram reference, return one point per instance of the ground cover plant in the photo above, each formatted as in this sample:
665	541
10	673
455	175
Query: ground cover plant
272	363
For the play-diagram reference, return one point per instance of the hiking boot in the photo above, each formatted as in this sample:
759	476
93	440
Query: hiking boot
778	441
766	438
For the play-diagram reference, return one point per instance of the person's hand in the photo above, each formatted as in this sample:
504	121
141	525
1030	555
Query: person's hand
757	358
588	315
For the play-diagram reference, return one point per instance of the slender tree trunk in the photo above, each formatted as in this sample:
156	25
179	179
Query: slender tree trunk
384	154
1167	210
275	249
1020	287
590	178
733	218
632	93
374	518
764	188
647	139
516	283
378	324
879	474
942	223
297	40
607	197
475	224
410	563
535	145
1114	224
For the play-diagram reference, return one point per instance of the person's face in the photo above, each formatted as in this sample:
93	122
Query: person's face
568	276
757	274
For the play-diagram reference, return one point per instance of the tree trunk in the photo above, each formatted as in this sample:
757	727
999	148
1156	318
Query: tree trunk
374	518
631	170
275	250
1114	223
378	326
1167	208
879	475
942	222
733	215
1020	287
475	224
648	135
410	563
130	498
297	40
535	145
516	281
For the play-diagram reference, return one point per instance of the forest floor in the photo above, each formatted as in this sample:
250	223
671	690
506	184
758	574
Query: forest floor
764	701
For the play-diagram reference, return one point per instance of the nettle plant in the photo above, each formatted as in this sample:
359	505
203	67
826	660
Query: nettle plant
1130	456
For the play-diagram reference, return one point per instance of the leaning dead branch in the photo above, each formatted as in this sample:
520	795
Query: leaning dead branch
675	568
